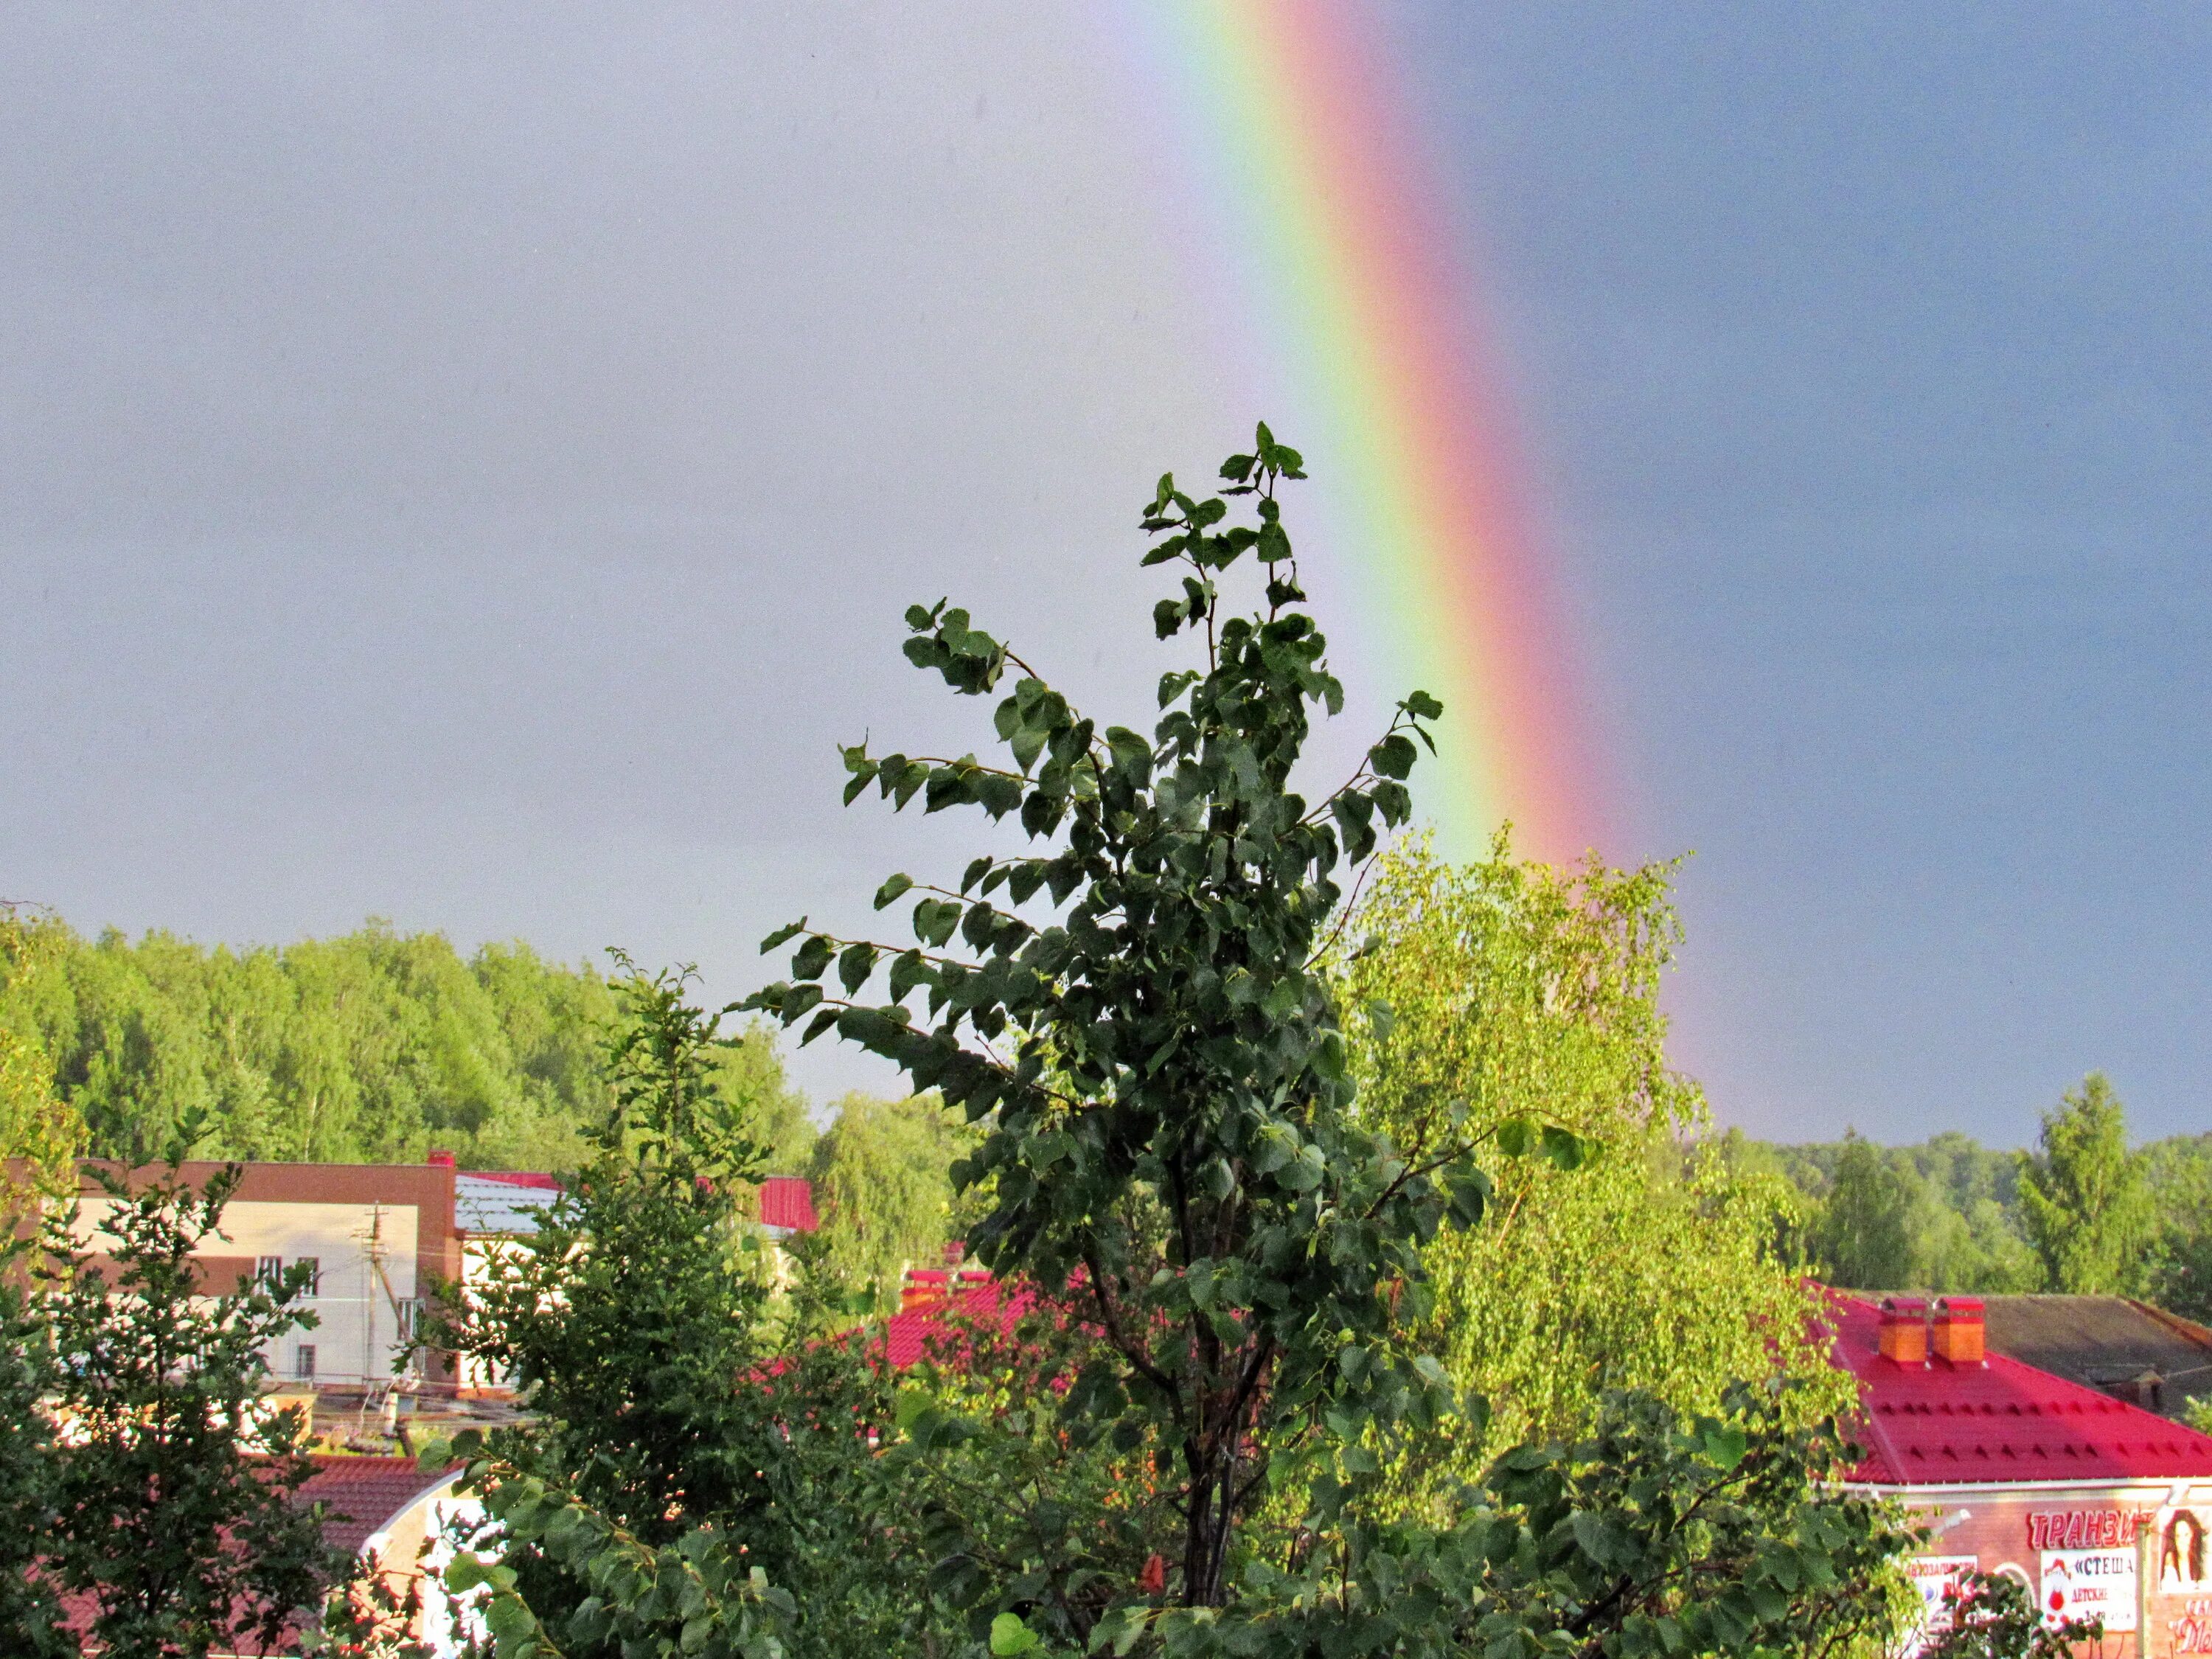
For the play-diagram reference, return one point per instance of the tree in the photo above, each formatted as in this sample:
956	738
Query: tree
2179	1177
2083	1193
1655	1532
31	1621
1862	1236
1221	1262
1168	1129
173	1497
40	1134
638	1327
882	1180
1996	1617
1518	988
672	1436
374	1045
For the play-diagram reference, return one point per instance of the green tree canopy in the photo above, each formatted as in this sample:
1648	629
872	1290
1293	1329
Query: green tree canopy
1861	1236
373	1046
882	1187
1522	990
2084	1194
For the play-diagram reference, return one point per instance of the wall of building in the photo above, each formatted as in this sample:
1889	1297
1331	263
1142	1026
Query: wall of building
361	1312
2075	1548
351	1218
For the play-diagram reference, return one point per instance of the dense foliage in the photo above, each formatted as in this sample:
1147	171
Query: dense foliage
1174	1169
373	1048
2083	1212
1521	989
142	1474
1168	1131
881	1173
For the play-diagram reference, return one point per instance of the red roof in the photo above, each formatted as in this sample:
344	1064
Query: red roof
363	1494
787	1201
1999	1421
906	1336
515	1178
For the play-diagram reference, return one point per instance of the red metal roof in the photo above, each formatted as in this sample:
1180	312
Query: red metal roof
363	1494
1999	1421
515	1178
787	1201
907	1335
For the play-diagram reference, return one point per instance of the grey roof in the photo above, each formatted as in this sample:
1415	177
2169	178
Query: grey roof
484	1206
2103	1341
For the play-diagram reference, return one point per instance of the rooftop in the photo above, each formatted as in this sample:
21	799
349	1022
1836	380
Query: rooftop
787	1201
2001	1421
2107	1342
501	1201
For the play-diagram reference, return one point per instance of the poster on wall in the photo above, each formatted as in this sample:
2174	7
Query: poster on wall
1938	1578
2181	1545
2090	1584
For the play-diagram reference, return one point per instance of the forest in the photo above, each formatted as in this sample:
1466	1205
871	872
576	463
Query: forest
377	1046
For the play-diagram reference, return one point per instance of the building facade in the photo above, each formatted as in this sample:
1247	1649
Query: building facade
372	1236
2100	1507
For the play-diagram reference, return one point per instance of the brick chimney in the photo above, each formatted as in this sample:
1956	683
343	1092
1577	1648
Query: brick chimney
440	1160
1958	1329
1904	1329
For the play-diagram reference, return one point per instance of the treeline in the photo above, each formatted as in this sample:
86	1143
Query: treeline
374	1047
2084	1212
379	1046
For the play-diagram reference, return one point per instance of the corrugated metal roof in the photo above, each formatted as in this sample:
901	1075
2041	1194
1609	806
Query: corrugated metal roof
363	1494
787	1201
490	1203
907	1336
2002	1422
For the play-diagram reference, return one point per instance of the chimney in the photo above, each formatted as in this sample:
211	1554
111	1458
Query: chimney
1958	1329
1904	1329
440	1160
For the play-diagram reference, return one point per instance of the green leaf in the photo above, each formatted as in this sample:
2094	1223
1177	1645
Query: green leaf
783	935
809	961
854	964
1515	1136
1009	1635
892	890
1566	1149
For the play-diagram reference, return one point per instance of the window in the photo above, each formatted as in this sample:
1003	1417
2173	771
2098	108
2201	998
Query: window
314	1267
303	1362
268	1269
409	1311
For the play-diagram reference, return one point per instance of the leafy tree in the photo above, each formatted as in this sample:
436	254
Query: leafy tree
2177	1173
636	1325
1170	1130
1996	1617
2083	1193
375	1046
30	1613
1518	989
1863	1236
1655	1534
1222	1262
172	1496
39	1132
882	1184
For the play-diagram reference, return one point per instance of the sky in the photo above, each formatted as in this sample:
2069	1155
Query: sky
466	464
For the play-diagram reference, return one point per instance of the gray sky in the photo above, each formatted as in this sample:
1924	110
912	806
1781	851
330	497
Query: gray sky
466	465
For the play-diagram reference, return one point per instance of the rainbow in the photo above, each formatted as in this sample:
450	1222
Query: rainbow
1367	328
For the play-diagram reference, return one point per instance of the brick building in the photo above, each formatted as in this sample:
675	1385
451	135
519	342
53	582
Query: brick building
2099	1506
